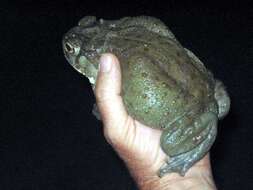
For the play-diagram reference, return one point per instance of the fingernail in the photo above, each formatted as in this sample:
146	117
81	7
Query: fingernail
105	63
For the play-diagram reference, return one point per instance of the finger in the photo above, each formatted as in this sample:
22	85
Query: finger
107	91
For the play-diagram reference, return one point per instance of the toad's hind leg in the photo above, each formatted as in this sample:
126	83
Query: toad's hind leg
181	162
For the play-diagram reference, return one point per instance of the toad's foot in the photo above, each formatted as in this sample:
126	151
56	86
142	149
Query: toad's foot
95	112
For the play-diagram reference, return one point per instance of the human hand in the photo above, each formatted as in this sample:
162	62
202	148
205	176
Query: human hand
137	144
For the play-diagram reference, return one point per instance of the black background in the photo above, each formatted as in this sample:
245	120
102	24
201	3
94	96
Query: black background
48	136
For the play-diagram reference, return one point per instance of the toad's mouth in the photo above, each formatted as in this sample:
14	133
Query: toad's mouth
70	59
83	66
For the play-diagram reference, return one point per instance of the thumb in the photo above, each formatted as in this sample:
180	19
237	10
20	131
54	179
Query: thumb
107	91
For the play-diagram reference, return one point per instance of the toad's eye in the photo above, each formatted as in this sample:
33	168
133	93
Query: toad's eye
72	48
69	48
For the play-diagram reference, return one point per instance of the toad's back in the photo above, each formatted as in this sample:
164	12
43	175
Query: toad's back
161	80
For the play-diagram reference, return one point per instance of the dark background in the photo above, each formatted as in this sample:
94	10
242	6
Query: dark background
48	137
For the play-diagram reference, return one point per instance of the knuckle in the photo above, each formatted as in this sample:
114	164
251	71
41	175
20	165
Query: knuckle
102	93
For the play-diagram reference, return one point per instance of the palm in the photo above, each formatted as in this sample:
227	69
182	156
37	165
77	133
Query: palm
143	142
140	142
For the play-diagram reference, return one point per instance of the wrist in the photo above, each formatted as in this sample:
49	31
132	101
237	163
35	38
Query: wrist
175	182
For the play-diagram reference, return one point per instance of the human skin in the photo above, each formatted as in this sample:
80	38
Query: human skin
137	144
